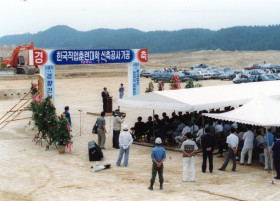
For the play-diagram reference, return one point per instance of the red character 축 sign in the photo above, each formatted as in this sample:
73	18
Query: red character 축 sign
142	55
40	57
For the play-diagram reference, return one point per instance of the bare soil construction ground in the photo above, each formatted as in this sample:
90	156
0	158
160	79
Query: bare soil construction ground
28	172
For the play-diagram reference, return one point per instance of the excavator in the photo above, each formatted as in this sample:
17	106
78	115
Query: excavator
18	61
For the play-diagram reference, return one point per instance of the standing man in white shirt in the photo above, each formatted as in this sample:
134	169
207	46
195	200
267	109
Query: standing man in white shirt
248	139
189	148
232	141
125	140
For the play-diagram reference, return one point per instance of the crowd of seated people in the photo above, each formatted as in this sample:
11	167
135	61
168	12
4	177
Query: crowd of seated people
172	131
168	129
139	129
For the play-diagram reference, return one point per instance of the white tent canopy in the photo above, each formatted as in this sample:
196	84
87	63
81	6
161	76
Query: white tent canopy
204	98
262	111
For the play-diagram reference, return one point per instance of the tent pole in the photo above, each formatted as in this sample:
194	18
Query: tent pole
202	124
268	155
267	148
154	124
193	126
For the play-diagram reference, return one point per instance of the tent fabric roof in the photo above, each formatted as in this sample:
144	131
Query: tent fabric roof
204	98
262	111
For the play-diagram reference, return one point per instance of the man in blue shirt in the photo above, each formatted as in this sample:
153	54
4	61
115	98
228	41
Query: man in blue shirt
67	114
121	90
158	155
270	142
276	155
179	128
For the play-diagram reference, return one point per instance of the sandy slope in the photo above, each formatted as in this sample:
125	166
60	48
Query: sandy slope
28	172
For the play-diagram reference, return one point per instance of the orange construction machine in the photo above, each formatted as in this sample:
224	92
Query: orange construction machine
18	61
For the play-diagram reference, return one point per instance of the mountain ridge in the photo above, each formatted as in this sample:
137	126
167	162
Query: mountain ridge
227	39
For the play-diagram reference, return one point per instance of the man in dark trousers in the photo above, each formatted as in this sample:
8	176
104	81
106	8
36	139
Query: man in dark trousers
276	155
105	95
158	156
101	130
232	141
117	121
208	143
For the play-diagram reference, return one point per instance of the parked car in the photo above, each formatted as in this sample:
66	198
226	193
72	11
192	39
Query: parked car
206	75
252	66
166	77
148	73
243	79
194	75
215	74
197	69
256	72
268	66
276	69
262	78
201	65
273	76
252	78
230	75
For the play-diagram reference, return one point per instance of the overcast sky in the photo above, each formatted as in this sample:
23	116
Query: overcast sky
23	16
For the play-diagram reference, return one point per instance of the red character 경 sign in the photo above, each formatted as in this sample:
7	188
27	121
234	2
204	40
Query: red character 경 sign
40	57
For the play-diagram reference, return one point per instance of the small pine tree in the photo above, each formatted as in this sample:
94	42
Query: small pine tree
150	88
174	84
34	88
160	86
62	136
190	84
53	129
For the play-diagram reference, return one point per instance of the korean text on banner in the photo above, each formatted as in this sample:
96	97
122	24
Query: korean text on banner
72	57
49	82
135	78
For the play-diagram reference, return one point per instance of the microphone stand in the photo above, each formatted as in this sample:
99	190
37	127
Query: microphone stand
80	122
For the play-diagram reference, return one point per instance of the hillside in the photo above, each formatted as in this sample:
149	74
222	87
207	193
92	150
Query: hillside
256	38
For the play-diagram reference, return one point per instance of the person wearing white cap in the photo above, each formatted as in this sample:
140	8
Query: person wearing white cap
158	155
125	140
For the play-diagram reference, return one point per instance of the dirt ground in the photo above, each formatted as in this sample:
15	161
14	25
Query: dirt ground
28	172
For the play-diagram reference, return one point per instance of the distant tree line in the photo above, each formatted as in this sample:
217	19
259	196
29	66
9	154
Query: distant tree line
240	38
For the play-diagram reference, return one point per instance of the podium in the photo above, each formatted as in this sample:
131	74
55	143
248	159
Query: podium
109	104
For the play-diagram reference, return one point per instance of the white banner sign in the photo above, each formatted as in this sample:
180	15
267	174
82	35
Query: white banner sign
133	79
49	76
